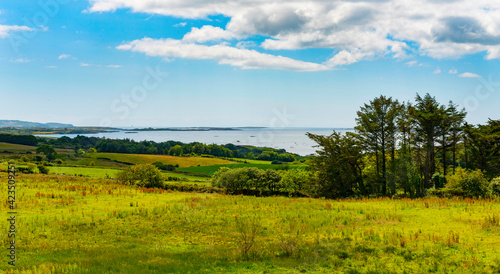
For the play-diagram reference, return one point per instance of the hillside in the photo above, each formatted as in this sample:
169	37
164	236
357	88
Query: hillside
17	123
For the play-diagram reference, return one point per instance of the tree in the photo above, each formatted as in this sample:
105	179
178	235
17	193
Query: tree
429	116
376	127
451	127
338	165
48	150
175	150
144	175
483	146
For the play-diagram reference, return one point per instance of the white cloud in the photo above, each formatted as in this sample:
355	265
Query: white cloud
413	63
437	71
21	60
469	75
85	65
355	30
5	30
453	71
113	66
182	24
208	33
223	54
63	56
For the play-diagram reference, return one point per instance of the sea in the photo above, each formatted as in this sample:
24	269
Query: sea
293	140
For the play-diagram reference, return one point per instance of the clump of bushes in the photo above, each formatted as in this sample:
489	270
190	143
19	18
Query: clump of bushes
495	186
43	169
144	175
166	167
254	181
470	183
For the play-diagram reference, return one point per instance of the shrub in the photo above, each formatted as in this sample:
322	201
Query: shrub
59	161
24	159
471	183
163	166
248	178
144	175
495	186
43	169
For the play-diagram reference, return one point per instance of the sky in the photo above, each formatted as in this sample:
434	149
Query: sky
293	63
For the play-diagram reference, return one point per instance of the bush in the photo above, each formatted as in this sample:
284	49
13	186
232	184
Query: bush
239	180
144	175
59	161
163	166
471	183
495	186
43	169
24	159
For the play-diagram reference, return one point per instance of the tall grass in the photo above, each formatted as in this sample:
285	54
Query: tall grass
86	225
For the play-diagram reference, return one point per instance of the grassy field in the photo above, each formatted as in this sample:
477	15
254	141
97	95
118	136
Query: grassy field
210	170
91	225
85	171
166	159
22	149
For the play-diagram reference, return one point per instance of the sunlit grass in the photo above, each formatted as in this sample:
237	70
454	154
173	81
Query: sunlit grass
81	224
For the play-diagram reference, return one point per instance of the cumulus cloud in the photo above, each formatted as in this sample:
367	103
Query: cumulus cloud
453	71
5	30
354	30
437	71
208	33
223	54
469	75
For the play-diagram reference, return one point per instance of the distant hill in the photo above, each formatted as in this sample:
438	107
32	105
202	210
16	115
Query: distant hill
17	123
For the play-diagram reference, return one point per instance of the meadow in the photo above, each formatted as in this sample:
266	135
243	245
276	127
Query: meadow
73	224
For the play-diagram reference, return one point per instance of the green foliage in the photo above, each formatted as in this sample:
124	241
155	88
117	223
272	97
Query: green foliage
24	159
495	186
80	152
43	169
471	183
338	165
144	175
59	161
48	150
438	180
297	180
164	166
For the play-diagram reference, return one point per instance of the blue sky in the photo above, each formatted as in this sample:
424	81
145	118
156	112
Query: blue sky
242	63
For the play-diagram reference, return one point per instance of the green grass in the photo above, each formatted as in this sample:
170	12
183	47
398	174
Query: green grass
85	225
210	170
22	149
166	159
85	171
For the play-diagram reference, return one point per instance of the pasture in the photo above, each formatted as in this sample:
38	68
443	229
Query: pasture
93	225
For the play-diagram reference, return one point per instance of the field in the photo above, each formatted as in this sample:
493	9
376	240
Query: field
166	159
210	170
92	225
15	148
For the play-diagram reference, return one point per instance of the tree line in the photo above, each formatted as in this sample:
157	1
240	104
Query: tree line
404	147
173	148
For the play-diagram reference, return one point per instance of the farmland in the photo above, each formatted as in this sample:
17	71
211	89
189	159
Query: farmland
91	225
